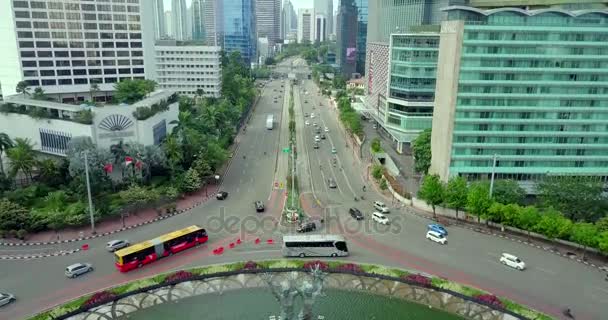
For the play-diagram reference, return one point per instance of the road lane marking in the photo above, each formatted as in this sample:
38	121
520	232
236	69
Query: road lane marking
546	271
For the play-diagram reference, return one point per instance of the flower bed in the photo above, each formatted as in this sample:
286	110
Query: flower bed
335	266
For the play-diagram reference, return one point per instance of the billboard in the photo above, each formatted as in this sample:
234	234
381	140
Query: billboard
351	54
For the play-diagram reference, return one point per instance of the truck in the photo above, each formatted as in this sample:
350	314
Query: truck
269	122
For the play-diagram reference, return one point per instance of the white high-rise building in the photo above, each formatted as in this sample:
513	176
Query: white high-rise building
169	23
288	19
268	23
305	25
179	19
325	8
159	19
213	21
65	47
187	68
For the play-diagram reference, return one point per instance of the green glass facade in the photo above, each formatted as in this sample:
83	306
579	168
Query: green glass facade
533	90
413	67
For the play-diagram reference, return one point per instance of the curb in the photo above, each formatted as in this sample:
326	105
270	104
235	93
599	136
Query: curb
38	256
480	230
159	218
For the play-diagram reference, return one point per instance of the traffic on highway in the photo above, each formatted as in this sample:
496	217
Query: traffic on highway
347	216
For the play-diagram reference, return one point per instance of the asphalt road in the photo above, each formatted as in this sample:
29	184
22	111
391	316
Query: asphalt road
550	284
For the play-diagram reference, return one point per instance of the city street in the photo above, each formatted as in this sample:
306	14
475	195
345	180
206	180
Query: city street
550	284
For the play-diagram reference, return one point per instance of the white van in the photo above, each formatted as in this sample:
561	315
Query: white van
437	237
512	261
380	218
380	206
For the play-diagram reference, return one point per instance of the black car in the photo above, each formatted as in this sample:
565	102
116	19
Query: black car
259	206
355	213
221	195
307	227
323	136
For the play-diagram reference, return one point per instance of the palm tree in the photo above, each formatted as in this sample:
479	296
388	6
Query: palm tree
39	93
5	144
48	170
213	120
22	157
23	87
173	151
118	150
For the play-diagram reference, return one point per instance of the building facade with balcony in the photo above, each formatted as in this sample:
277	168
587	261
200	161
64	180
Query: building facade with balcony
186	67
529	87
50	126
411	86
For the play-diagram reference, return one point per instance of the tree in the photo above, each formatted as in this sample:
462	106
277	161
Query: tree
377	171
192	181
508	191
383	185
432	191
172	149
97	159
602	224
269	61
421	149
553	225
22	158
456	194
49	172
13	216
93	89
584	234
478	199
200	93
130	91
38	93
578	198
23	87
528	218
602	242
339	82
137	197
5	144
376	145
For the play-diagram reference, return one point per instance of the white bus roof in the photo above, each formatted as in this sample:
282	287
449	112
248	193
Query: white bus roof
313	238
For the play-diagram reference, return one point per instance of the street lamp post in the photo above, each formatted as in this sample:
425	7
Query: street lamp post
493	173
86	172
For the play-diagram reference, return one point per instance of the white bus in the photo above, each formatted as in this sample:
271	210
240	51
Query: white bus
314	246
269	121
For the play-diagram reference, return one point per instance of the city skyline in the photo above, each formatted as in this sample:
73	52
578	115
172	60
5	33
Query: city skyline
297	4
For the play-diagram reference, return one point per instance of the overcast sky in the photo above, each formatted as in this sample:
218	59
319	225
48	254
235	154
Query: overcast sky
296	3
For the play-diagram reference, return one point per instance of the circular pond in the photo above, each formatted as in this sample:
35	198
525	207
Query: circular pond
259	303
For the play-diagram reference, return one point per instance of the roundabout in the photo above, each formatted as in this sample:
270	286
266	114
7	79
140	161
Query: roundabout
279	288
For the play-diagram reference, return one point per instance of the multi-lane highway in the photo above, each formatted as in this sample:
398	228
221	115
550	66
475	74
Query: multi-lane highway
550	283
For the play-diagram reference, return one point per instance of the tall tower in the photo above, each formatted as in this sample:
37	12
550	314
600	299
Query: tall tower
213	21
305	25
326	9
239	28
268	21
159	19
198	26
361	34
179	19
347	37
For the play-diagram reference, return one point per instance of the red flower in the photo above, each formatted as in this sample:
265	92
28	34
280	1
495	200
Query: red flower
99	298
418	279
179	276
314	264
250	265
489	299
349	267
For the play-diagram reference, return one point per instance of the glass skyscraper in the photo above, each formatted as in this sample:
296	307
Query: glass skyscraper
239	28
529	87
361	34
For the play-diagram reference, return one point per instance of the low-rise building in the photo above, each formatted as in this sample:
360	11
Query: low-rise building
51	125
355	84
186	67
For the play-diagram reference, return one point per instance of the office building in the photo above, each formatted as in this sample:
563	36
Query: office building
268	19
185	67
264	50
361	35
528	88
239	28
79	51
305	25
325	8
179	19
198	26
286	19
168	24
320	28
347	38
411	86
159	19
213	22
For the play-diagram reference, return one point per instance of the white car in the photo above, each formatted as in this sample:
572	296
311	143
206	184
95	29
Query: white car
512	261
312	115
317	138
437	237
380	206
326	129
380	218
73	271
307	123
6	298
117	245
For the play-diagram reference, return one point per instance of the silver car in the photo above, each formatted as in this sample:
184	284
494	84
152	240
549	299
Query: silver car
117	245
6	298
73	271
